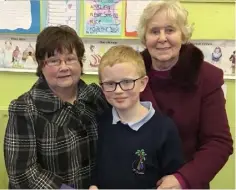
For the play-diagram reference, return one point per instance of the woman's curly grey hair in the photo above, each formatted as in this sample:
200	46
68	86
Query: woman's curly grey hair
174	11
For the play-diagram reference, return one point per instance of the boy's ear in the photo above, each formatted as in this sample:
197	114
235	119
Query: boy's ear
144	82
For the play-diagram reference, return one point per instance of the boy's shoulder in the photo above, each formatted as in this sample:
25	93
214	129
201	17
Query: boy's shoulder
161	118
162	122
106	115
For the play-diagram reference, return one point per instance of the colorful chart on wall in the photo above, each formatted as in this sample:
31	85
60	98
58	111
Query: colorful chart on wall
20	17
133	10
95	48
17	54
102	17
220	53
62	12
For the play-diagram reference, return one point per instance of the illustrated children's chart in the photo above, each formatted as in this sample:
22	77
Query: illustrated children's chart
220	53
21	16
17	53
102	17
95	48
62	12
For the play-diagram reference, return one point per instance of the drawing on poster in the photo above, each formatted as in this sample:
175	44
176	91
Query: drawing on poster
133	10
219	53
216	56
62	12
26	16
232	60
102	17
94	50
94	58
17	53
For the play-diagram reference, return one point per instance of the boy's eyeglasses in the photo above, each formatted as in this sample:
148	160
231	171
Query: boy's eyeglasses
125	85
56	61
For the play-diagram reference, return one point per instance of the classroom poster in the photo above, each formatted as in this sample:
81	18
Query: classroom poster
62	12
17	54
220	53
95	48
102	17
133	10
21	17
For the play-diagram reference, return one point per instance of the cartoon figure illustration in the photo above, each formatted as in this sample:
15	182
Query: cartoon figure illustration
69	5
8	54
139	164
94	57
29	57
16	55
232	59
216	56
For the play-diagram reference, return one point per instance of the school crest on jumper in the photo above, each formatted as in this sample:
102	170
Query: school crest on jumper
138	165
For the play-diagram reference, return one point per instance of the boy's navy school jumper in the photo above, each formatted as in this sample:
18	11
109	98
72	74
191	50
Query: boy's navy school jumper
136	158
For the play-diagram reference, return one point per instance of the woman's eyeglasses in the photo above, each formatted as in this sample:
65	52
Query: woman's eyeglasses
56	61
125	85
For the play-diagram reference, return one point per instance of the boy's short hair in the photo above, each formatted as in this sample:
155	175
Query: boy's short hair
122	54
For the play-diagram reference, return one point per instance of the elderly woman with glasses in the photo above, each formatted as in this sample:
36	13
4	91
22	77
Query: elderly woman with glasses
187	89
51	133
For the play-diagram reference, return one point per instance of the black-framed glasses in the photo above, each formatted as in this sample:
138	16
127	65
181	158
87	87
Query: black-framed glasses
125	85
56	61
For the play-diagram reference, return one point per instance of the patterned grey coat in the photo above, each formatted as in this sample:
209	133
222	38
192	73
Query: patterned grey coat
49	142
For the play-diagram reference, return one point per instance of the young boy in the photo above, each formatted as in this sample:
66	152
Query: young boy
136	145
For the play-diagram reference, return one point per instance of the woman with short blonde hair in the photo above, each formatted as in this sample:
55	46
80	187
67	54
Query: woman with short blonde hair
174	11
187	89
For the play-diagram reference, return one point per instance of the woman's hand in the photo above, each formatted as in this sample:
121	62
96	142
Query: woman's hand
93	187
168	182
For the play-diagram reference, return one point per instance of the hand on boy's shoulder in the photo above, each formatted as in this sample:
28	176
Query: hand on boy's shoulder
168	182
93	187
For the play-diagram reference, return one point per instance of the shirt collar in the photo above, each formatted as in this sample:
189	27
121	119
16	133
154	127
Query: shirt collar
138	124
